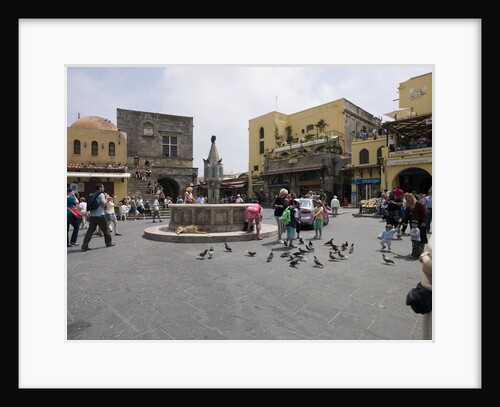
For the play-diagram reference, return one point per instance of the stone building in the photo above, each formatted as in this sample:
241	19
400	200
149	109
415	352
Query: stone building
162	145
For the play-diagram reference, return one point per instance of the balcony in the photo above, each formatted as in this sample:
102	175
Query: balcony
300	162
415	149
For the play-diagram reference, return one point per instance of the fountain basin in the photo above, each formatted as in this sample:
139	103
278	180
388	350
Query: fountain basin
215	218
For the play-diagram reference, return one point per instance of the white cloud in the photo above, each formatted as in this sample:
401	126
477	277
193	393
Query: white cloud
223	98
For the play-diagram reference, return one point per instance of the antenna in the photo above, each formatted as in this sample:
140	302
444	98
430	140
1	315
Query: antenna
78	114
276	103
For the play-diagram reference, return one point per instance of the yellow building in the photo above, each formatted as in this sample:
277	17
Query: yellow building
97	153
305	150
402	154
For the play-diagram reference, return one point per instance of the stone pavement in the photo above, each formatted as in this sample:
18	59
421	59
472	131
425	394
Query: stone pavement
142	289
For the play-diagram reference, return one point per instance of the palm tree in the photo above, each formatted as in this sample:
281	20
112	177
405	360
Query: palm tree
321	126
289	137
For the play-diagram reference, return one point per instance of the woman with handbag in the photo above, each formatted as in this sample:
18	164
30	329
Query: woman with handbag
73	219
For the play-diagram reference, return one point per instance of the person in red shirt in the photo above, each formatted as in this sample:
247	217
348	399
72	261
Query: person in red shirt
398	191
254	214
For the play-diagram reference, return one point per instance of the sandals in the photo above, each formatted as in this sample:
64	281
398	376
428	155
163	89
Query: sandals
259	237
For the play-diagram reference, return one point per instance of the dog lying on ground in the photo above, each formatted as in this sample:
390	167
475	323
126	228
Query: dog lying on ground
190	229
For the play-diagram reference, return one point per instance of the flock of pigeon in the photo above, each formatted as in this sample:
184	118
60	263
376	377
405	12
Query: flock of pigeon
336	253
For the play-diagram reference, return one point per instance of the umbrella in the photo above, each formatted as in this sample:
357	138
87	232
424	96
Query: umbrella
399	114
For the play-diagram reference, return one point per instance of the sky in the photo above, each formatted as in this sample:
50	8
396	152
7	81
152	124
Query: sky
202	82
223	98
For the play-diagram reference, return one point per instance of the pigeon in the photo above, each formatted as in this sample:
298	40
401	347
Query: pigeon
293	263
342	256
285	254
330	242
284	242
351	249
228	249
270	257
202	254
317	263
210	252
335	247
251	254
343	247
387	259
332	256
310	243
302	250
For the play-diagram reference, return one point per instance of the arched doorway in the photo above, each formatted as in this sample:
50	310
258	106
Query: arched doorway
415	179
170	187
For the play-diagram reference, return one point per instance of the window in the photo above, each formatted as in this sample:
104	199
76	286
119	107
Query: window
261	147
379	153
310	127
111	149
256	168
261	132
364	156
76	147
169	147
95	148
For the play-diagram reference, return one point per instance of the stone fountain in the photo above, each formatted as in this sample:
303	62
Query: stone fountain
222	222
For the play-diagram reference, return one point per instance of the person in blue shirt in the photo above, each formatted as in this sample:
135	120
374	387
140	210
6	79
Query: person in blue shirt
386	236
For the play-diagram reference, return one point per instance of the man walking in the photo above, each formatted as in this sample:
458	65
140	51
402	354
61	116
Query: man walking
97	218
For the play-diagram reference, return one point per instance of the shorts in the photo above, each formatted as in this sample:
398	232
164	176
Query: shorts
110	217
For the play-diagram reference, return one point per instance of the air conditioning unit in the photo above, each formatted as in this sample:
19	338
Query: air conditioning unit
428	121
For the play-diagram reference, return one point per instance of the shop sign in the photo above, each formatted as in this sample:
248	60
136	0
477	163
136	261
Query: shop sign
365	181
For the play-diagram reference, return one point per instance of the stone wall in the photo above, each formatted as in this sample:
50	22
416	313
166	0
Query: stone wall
146	135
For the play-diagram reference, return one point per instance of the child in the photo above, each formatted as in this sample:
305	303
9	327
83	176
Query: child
415	239
291	228
298	223
386	236
318	219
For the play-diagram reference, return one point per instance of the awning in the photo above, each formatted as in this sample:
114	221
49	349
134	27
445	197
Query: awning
235	186
99	174
415	126
399	114
227	183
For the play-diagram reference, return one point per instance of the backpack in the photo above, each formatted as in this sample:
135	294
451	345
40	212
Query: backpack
286	217
92	203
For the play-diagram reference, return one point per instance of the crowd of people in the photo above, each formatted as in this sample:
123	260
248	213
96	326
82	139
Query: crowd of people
400	209
291	201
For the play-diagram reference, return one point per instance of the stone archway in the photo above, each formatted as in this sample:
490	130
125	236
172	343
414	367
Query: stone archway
170	186
414	178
